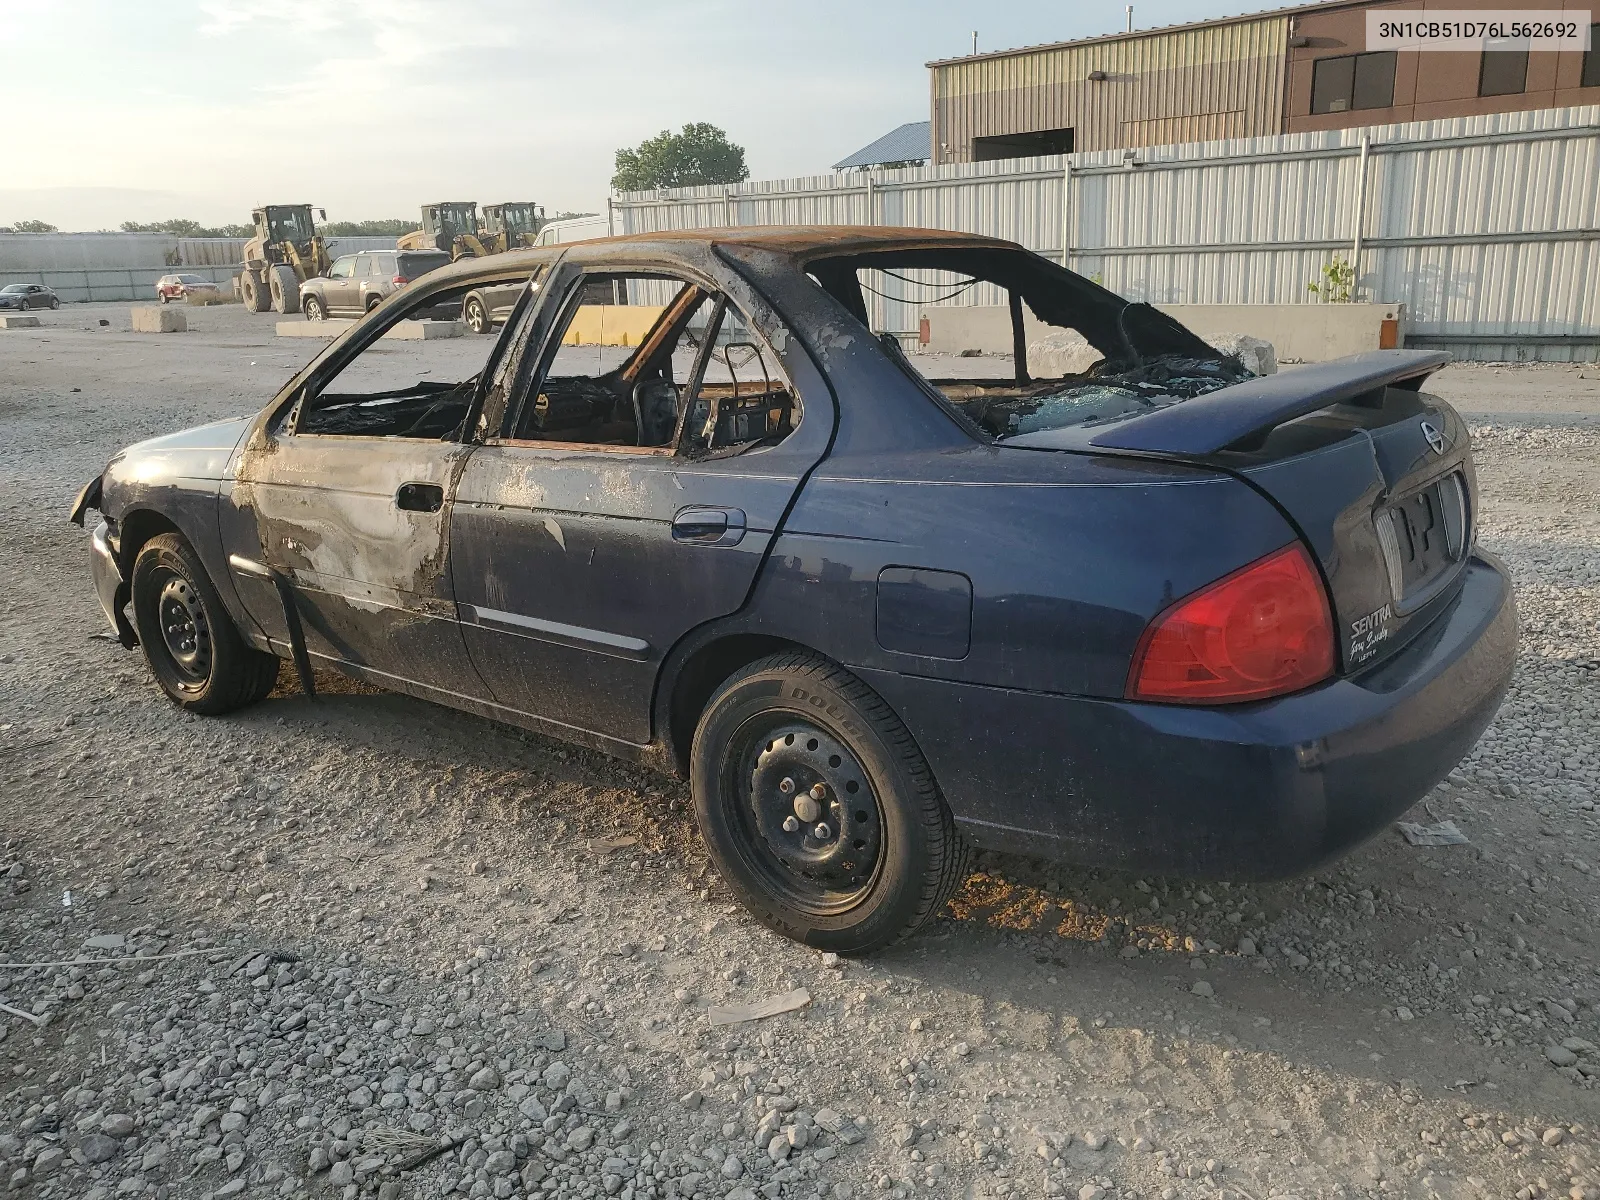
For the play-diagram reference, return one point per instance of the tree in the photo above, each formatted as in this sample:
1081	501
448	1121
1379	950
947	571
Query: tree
35	227
700	154
387	227
184	227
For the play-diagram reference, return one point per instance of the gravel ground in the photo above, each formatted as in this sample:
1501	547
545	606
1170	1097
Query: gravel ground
406	931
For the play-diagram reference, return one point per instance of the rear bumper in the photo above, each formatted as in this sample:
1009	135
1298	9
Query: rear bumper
1258	791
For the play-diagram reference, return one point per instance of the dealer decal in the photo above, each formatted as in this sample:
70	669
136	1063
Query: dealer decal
1368	632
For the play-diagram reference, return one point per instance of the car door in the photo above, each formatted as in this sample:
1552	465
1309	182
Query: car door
339	289
346	498
361	282
581	556
380	274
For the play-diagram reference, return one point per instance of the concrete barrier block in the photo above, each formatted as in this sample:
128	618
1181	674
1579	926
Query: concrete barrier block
1296	332
423	331
151	318
19	322
312	329
405	331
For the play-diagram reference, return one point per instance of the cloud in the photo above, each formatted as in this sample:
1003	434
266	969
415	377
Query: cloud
373	107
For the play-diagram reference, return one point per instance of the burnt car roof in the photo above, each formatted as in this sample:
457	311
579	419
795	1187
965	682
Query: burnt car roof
812	241
800	242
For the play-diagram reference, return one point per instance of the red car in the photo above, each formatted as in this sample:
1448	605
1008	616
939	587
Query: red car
178	287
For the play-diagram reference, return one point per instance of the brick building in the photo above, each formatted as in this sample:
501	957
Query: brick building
1282	71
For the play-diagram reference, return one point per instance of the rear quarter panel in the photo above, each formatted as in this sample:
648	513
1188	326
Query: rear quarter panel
1068	558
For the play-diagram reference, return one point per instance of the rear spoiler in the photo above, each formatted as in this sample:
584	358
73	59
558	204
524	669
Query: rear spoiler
1229	416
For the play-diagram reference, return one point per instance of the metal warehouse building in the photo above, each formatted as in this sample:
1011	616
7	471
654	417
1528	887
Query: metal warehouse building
1285	71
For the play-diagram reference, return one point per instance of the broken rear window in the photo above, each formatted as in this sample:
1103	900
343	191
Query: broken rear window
1031	346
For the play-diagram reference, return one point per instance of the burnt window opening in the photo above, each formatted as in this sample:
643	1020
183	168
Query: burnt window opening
1591	59
1503	73
1058	350
1353	81
421	389
1022	145
654	362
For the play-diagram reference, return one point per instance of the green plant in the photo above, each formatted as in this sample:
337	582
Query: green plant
1338	282
700	154
34	227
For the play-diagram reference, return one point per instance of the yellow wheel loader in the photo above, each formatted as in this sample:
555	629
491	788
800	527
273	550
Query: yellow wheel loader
285	251
451	226
511	226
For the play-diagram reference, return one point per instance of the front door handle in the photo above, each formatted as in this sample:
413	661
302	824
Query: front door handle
419	497
708	526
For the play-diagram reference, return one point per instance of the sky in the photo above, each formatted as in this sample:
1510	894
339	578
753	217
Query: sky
139	111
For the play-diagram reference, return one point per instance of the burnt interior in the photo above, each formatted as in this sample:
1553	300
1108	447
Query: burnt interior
426	409
698	381
657	397
1148	360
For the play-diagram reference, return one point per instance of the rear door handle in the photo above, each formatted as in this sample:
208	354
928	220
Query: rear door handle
419	497
708	526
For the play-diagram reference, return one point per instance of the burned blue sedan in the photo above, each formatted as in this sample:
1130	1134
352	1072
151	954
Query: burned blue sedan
689	508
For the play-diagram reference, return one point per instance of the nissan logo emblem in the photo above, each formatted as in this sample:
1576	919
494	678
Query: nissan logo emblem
1435	438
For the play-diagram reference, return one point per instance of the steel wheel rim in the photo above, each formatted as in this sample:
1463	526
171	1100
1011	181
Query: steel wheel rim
185	630
806	816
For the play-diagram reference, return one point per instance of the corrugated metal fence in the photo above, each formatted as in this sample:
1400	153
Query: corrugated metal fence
125	266
1486	228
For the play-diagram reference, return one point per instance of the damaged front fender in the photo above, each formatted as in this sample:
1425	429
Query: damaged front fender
109	584
88	498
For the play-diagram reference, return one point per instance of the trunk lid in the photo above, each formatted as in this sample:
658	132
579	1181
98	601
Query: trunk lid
1375	475
1387	507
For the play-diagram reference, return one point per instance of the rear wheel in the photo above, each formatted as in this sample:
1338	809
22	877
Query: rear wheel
165	299
285	287
312	305
253	291
818	808
373	302
477	316
190	642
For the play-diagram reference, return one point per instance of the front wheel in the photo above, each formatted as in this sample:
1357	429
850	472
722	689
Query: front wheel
818	808
312	306
477	316
284	286
190	642
23	306
55	303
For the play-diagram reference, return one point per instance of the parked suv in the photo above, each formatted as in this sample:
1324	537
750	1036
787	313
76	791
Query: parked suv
358	283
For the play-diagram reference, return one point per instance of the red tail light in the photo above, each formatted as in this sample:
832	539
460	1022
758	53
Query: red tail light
401	279
1263	631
